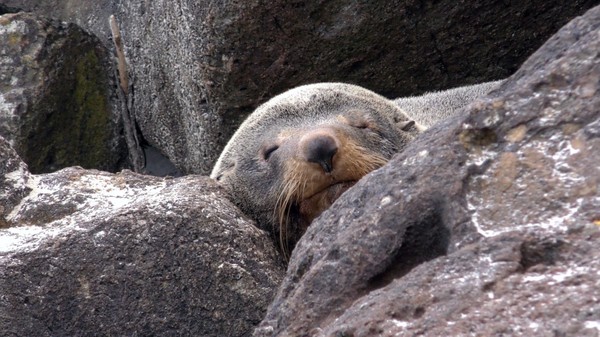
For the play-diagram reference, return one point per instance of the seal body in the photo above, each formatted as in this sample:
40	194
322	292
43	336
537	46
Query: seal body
298	152
295	154
432	107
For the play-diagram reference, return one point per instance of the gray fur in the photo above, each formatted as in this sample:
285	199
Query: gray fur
255	184
435	106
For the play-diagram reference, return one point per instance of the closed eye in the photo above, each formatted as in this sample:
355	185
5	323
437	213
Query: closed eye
360	124
360	120
269	150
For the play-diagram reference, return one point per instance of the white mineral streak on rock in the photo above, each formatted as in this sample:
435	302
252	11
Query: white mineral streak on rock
556	222
6	107
475	215
561	167
95	196
492	119
21	238
400	324
385	201
14	27
592	325
31	183
18	180
481	158
104	193
560	150
414	161
555	276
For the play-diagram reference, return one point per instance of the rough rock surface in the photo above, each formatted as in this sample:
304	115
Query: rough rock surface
94	253
197	69
13	179
92	15
58	102
487	225
220	61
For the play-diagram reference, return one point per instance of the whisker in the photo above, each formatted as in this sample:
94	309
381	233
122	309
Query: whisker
296	185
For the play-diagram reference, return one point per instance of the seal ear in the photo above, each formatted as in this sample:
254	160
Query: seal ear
405	125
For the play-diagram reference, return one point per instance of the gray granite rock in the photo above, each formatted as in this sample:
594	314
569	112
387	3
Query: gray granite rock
13	180
93	253
58	101
92	15
198	69
486	225
204	68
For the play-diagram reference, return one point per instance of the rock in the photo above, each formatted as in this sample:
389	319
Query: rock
92	15
13	184
197	70
7	9
487	224
231	57
58	101
95	253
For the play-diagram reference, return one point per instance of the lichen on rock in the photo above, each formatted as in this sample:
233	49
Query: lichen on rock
59	107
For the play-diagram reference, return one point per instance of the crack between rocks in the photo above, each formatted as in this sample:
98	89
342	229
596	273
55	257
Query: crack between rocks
126	96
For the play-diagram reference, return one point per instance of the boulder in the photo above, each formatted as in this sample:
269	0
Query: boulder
487	224
92	15
94	253
58	101
203	68
13	180
198	69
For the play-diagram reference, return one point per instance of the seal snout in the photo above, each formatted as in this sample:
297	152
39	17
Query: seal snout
320	148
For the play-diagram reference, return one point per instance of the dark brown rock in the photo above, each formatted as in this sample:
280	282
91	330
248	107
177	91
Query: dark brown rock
198	69
92	253
485	225
58	101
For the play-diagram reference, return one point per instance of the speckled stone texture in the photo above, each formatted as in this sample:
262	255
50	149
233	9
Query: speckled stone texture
92	253
197	68
13	179
488	224
58	101
200	69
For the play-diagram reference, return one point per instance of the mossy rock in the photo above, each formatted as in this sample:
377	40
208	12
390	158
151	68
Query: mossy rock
69	113
71	125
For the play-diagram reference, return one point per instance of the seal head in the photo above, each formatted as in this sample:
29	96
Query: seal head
297	153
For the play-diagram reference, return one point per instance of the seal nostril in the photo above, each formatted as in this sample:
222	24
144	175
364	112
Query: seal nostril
321	150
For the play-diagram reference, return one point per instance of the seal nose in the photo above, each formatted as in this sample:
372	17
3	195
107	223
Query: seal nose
320	149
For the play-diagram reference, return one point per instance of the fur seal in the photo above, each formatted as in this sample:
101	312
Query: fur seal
298	152
432	107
